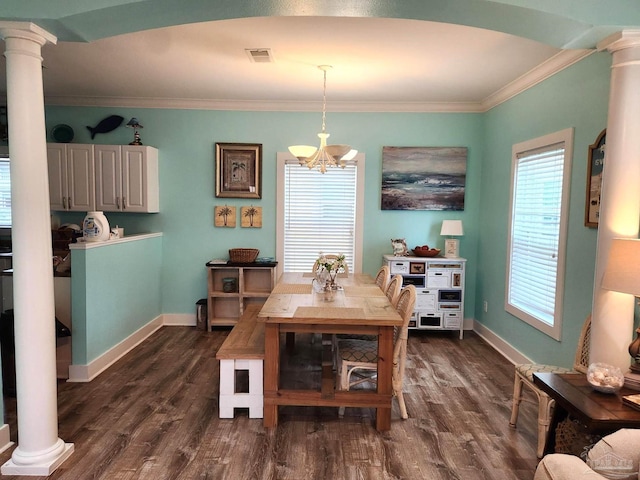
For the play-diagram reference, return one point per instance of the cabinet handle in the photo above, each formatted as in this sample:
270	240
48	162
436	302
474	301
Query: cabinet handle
124	203
118	203
64	203
69	203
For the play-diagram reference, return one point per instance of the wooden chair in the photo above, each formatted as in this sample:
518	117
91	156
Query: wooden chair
360	357
524	376
382	277
393	289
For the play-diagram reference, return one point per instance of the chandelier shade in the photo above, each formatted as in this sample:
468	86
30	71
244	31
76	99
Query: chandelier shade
325	155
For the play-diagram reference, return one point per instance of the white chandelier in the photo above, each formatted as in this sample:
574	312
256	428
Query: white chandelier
326	155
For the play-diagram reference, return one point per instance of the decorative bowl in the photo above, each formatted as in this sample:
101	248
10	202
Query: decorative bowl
605	378
426	253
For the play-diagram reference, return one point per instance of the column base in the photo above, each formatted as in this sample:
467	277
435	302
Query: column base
40	470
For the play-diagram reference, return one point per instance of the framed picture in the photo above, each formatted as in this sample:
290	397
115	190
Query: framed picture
238	170
423	178
224	216
416	268
251	217
595	164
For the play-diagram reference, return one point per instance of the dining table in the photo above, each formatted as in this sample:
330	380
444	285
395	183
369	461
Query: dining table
359	307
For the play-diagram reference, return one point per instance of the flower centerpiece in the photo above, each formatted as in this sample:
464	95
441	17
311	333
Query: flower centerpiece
332	266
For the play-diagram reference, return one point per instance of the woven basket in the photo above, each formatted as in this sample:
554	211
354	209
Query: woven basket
572	438
243	255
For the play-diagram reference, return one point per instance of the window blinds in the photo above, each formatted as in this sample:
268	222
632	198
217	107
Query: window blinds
319	215
5	194
535	231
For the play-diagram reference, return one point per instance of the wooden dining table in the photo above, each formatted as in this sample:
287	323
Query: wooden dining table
359	307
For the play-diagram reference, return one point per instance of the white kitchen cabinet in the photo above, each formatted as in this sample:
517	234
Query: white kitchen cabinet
126	178
71	177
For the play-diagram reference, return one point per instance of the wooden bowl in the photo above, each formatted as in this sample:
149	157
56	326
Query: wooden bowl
426	253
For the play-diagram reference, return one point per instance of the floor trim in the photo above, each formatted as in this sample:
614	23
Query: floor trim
499	344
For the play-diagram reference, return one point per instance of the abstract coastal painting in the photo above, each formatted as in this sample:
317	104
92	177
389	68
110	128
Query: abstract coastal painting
423	178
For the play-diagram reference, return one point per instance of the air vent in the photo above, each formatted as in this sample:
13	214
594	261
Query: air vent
259	55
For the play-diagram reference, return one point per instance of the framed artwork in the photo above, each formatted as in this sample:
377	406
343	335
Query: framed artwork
224	216
251	217
595	163
423	178
238	170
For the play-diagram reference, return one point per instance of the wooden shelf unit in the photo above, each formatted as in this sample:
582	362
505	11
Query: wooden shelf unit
254	282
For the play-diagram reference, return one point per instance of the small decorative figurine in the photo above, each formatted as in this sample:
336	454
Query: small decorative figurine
399	247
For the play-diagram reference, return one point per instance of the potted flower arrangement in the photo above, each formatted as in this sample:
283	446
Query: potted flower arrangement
327	269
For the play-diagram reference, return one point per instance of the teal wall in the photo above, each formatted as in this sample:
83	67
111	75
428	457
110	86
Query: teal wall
186	142
576	97
115	292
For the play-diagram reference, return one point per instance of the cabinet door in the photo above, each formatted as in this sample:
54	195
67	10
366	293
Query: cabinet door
81	178
57	166
140	179
108	165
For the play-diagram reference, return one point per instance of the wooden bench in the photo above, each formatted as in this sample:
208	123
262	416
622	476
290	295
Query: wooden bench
243	350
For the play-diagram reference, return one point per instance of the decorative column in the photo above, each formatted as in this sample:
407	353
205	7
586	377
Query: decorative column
39	451
612	318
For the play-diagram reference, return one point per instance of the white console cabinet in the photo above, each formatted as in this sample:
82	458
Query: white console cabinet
439	286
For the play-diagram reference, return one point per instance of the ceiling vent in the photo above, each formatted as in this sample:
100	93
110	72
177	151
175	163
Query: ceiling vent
259	55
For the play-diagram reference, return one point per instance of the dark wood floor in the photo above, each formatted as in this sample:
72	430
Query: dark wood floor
154	415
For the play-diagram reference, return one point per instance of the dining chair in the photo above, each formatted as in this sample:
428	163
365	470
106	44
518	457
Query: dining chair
524	376
382	277
359	358
393	289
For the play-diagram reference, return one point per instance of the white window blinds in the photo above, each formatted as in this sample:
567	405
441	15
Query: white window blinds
537	234
319	214
5	193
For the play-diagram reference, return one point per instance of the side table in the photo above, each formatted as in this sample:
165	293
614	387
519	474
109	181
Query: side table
600	413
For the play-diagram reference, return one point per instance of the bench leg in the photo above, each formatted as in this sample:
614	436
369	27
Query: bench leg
230	399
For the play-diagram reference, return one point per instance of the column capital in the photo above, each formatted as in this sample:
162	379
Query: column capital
620	40
26	30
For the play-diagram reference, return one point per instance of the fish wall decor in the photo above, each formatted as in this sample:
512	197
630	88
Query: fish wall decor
106	125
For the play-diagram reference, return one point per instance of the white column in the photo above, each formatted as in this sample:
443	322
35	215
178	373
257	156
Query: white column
612	320
39	451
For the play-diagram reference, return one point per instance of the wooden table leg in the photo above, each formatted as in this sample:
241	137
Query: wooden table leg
271	373
385	369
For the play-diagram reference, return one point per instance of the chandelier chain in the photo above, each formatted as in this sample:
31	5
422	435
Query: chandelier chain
324	101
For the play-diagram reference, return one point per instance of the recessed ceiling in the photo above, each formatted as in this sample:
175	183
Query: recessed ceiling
375	61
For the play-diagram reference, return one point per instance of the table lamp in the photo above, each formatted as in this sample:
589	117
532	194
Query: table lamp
451	228
622	274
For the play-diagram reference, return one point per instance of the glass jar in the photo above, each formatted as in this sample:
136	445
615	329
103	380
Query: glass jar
229	285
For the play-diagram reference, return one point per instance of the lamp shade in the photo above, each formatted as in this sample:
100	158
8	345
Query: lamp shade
452	228
622	273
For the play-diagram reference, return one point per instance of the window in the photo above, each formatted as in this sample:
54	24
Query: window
319	213
540	176
5	193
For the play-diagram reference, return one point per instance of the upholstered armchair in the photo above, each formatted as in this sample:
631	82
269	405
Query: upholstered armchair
614	457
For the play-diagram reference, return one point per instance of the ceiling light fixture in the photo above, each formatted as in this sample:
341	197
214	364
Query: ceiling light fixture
326	155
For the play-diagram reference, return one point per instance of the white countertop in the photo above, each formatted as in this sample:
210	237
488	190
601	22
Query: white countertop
82	245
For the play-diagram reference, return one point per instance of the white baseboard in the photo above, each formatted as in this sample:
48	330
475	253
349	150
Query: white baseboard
86	373
179	320
501	346
5	438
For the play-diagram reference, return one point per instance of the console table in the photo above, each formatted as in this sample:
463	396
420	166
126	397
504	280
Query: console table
600	413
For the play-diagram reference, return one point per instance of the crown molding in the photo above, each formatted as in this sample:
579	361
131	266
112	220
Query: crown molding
533	77
546	69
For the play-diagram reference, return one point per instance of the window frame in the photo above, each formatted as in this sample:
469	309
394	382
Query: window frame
281	159
564	137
